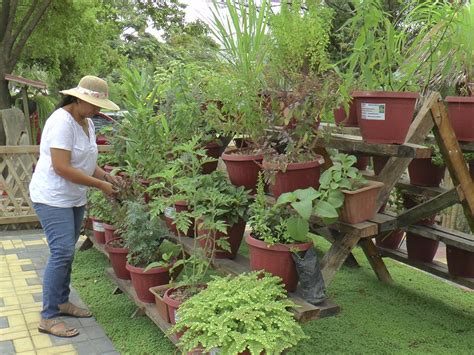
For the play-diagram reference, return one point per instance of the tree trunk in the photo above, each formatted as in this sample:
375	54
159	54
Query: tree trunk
5	99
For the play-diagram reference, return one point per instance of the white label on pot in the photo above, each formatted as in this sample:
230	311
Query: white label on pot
97	226
374	112
169	212
176	316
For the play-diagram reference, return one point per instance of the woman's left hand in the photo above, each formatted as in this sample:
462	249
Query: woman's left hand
117	181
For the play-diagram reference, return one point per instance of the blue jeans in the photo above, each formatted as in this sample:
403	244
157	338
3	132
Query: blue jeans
62	227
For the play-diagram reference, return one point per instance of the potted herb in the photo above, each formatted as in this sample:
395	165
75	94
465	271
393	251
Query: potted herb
98	211
237	315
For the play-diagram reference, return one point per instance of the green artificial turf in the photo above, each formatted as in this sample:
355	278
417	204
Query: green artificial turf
417	314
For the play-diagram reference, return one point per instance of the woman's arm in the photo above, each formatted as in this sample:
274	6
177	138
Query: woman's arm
99	173
61	160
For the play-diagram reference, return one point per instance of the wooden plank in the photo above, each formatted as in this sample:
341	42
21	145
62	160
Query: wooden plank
303	313
149	308
335	257
365	229
435	267
331	236
352	143
30	82
455	238
19	219
417	133
466	147
326	128
375	260
454	159
424	191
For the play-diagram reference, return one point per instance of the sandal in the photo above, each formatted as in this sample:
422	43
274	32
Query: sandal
69	309
57	328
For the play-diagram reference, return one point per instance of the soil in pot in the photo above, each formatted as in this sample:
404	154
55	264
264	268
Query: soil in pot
360	205
118	257
296	176
275	259
424	173
234	236
175	296
391	241
420	248
142	281
98	230
180	206
110	232
243	167
384	117
348	119
460	262
461	115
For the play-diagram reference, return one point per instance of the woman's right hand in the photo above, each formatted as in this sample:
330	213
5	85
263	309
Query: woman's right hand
108	189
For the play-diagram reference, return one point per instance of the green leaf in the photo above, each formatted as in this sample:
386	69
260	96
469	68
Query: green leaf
336	198
304	208
285	198
297	228
324	209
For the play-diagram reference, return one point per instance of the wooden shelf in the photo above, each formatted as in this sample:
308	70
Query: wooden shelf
353	143
435	267
428	192
466	147
305	311
148	308
455	238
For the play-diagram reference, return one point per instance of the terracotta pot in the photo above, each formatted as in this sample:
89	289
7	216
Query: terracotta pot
346	119
420	248
234	236
180	206
98	230
213	150
391	241
243	169
384	117
360	205
424	173
461	115
161	306
460	262
379	163
173	304
297	176
118	259
142	281
275	259
109	232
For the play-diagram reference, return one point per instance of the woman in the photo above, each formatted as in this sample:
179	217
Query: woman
66	167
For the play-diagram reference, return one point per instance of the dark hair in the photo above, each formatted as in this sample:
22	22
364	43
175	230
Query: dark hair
66	100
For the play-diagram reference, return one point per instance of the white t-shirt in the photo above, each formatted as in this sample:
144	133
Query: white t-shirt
62	131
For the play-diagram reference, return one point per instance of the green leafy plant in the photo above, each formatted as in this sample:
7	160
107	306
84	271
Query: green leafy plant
342	175
99	206
234	314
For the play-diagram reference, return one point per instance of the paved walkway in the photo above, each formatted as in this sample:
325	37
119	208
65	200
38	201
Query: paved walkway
23	257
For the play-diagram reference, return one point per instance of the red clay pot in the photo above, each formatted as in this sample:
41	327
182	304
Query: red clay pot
243	169
180	206
460	262
234	236
346	119
379	163
275	259
297	176
392	241
173	304
461	115
98	230
213	150
359	205
424	173
118	259
392	117
110	232
421	248
142	281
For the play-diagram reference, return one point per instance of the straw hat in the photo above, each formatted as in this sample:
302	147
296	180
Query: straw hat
93	90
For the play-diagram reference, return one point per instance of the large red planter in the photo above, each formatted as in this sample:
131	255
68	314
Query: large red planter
234	236
346	119
420	248
213	150
424	173
360	205
98	230
180	206
109	232
461	115
384	117
275	259
391	241
118	259
460	262
243	169
297	176
142	281
173	304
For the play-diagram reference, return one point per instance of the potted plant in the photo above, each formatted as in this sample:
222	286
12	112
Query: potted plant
427	171
282	228
150	254
246	314
393	239
98	211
